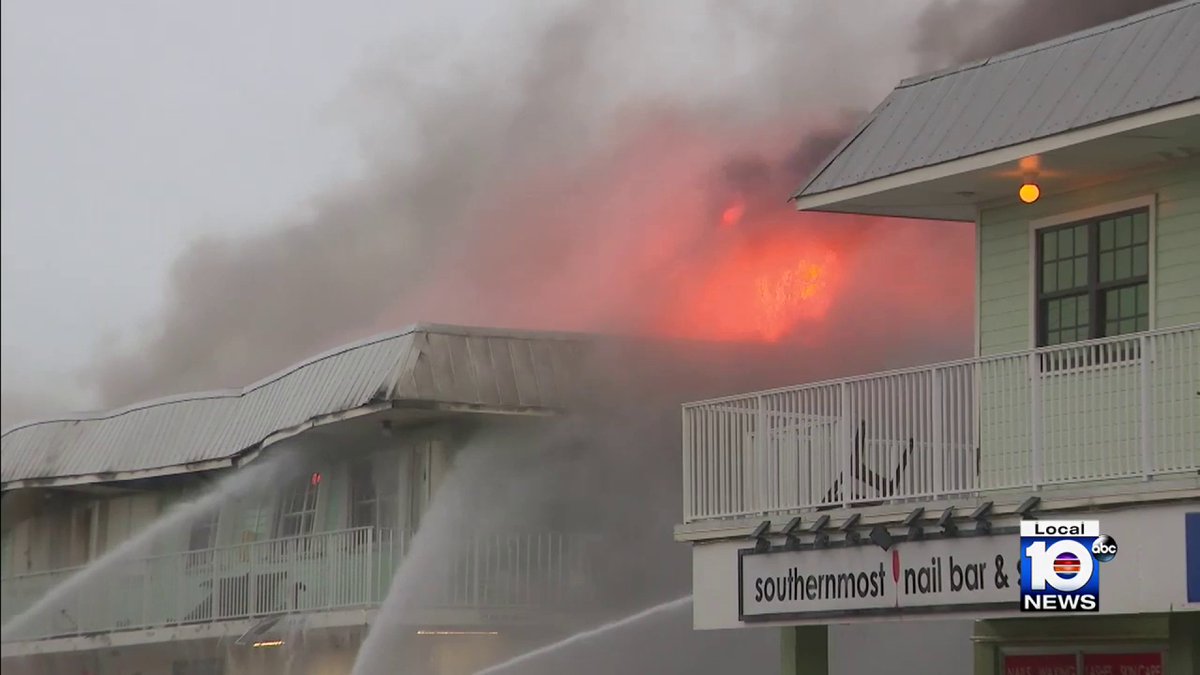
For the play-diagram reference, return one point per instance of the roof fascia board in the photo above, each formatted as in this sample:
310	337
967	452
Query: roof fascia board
251	454
120	476
825	200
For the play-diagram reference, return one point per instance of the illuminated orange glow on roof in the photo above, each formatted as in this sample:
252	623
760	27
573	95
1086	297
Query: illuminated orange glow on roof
760	291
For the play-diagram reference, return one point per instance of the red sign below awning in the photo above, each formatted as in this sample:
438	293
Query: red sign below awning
1040	664
1123	664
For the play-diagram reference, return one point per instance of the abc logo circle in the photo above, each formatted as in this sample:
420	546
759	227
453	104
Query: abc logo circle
1104	548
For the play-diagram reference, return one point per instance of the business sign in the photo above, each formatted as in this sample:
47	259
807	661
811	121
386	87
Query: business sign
1060	565
932	574
1041	664
1085	662
1148	663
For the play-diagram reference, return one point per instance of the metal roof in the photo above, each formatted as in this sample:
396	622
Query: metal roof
485	369
1147	61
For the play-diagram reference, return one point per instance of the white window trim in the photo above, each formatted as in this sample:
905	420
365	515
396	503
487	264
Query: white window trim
1149	202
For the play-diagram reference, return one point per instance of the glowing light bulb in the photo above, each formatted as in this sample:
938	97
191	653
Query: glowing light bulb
1029	193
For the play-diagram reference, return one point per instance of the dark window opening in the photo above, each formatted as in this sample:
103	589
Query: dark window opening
374	488
1093	278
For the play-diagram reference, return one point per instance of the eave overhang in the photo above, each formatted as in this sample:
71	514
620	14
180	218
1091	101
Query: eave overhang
958	189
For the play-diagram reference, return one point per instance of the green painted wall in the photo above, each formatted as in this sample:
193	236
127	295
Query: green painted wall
805	650
1004	266
1109	441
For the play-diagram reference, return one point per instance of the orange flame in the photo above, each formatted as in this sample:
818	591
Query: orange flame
758	291
783	297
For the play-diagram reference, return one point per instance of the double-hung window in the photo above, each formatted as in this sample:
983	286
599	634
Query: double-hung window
373	492
298	507
1093	278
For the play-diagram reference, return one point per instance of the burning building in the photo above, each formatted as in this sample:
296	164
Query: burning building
462	495
926	492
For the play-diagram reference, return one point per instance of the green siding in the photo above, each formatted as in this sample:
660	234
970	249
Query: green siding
1004	270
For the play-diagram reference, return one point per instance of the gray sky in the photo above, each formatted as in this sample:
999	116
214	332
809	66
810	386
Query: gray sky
131	129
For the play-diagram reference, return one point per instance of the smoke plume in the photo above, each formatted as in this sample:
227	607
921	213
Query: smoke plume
560	184
992	28
577	177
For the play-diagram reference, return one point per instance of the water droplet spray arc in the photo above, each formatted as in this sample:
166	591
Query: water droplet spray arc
232	485
644	615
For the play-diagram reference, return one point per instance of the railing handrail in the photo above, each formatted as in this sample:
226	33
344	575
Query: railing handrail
970	360
1114	408
387	531
310	573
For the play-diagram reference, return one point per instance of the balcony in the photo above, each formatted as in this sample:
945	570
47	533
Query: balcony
346	569
1125	408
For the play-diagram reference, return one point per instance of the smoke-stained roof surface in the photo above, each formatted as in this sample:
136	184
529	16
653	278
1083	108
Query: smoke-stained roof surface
1135	65
490	369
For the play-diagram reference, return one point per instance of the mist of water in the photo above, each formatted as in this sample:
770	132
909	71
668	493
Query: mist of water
230	486
594	633
425	555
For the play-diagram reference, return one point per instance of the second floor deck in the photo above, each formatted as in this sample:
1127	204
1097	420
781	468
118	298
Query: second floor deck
487	577
1125	408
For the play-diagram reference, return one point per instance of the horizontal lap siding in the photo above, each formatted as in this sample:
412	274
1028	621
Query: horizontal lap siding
1004	270
1177	265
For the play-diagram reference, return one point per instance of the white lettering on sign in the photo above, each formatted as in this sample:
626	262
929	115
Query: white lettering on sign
932	573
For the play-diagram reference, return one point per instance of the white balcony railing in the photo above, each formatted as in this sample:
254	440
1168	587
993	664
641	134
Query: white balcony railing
333	570
1116	408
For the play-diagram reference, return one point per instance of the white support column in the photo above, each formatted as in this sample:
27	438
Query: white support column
762	463
1145	384
688	481
937	408
845	442
1037	455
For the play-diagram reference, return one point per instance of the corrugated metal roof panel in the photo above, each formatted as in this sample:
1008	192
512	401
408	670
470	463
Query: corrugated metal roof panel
1142	63
443	364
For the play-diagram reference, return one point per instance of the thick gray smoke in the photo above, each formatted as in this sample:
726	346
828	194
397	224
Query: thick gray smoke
514	188
950	32
577	180
562	181
541	187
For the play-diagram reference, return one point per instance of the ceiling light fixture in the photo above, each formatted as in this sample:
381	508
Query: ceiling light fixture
1029	192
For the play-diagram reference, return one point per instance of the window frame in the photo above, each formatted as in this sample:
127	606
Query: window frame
283	514
1089	215
360	468
382	473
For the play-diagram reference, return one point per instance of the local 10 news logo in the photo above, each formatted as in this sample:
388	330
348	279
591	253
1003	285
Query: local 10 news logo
1060	565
